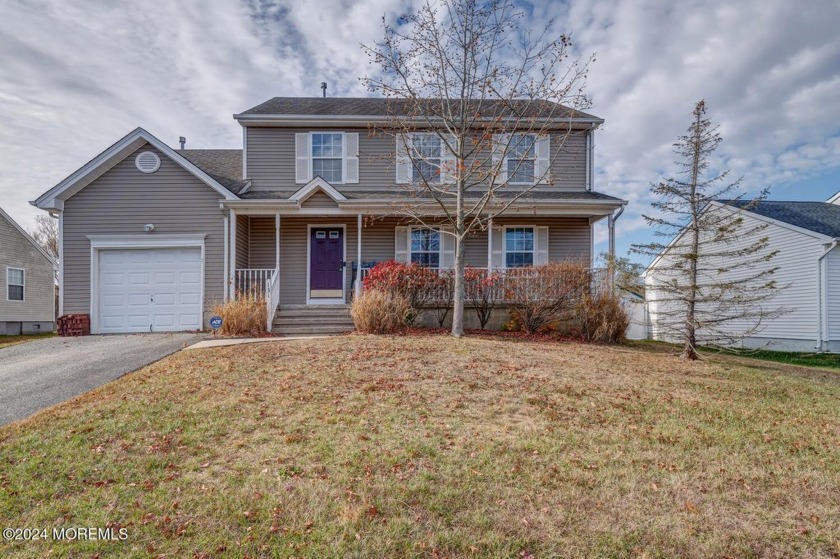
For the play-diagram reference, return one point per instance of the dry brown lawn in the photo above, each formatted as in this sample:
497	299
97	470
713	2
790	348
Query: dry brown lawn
363	446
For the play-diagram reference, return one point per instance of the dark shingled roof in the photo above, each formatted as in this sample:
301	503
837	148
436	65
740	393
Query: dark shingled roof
819	217
224	165
378	106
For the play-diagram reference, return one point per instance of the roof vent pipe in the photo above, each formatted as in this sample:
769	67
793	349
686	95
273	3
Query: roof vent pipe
324	89
183	141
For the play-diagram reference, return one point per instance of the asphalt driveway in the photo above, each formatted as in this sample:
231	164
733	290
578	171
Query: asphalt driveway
38	374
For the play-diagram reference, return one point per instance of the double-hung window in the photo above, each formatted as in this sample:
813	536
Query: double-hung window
425	247
427	157
521	159
519	247
14	284
327	156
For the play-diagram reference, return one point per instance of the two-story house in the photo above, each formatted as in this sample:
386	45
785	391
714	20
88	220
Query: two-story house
151	237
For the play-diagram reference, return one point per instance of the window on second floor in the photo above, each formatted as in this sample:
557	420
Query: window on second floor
425	247
521	159
327	156
427	157
14	284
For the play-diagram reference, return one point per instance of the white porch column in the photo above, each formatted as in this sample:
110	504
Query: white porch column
232	254
358	255
490	246
277	242
226	251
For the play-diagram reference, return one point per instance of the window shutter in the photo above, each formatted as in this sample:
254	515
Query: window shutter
541	168
448	161
447	247
403	161
351	157
401	244
302	166
500	145
498	246
541	256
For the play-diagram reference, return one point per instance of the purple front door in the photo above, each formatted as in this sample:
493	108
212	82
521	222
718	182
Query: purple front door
326	263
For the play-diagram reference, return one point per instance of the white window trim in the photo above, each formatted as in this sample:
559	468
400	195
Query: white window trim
342	157
505	250
413	228
99	242
509	153
413	157
318	300
23	271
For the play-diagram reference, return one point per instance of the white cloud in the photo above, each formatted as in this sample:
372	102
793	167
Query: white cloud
77	77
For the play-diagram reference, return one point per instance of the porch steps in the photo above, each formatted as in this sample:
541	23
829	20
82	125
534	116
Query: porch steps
303	320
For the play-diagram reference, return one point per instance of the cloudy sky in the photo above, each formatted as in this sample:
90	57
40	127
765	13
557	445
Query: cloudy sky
77	75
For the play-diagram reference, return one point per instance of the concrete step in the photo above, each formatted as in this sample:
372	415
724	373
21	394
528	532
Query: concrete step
279	323
304	330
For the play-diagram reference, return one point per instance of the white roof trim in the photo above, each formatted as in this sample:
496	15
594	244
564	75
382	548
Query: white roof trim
764	218
834	199
313	186
54	198
26	235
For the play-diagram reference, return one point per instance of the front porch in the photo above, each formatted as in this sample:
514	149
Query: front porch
279	258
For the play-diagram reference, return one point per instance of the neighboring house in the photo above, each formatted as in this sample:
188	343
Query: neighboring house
151	237
808	260
636	308
27	276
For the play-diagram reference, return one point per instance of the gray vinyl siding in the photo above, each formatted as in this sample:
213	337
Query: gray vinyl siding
262	249
122	201
319	200
242	241
17	251
271	161
569	238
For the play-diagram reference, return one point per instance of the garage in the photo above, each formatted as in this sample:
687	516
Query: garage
149	289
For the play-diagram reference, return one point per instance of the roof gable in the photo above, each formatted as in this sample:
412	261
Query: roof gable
317	185
25	235
54	198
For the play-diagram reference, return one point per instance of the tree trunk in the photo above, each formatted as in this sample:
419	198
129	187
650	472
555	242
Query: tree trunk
690	349
458	284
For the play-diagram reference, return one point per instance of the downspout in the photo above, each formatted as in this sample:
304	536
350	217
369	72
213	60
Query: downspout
820	301
612	219
590	155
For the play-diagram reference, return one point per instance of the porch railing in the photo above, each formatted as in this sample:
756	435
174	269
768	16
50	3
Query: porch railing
251	282
499	284
272	298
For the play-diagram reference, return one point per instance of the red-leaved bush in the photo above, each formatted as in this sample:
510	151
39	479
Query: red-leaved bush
481	290
420	286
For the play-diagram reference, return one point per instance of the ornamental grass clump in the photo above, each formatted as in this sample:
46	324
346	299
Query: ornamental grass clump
380	311
601	318
246	315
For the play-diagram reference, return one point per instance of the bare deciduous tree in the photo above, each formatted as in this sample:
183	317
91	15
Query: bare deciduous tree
45	234
473	97
714	280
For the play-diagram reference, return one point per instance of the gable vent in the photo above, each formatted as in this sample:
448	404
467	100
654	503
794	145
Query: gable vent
147	162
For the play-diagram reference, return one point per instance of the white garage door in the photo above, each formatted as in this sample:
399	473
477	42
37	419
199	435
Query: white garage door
149	290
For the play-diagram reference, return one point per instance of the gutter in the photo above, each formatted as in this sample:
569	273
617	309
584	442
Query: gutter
820	299
292	119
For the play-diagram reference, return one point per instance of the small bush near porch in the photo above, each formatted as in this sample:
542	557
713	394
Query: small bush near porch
427	446
246	315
